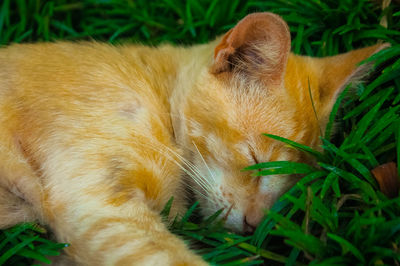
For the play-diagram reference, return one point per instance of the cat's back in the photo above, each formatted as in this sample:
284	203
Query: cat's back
86	67
52	83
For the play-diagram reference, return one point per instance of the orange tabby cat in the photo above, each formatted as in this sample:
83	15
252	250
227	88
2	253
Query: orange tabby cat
95	138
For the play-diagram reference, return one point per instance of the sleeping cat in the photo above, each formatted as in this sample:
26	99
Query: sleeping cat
95	139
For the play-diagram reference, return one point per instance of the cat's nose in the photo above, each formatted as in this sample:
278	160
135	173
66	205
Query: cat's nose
247	227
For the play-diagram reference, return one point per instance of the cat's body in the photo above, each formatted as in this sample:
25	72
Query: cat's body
95	139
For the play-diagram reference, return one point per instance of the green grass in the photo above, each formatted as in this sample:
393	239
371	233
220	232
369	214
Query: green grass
336	213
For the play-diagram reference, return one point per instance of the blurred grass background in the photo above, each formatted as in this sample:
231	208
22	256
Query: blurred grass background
336	215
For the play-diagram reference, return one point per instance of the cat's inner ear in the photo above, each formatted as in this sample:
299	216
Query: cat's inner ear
256	48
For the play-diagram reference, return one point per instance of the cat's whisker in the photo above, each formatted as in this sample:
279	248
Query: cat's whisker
193	173
214	197
193	168
204	161
200	193
157	148
206	189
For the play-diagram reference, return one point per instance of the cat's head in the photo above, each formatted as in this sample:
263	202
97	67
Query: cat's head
253	86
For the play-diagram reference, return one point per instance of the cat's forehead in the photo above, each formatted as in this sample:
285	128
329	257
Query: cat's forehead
239	111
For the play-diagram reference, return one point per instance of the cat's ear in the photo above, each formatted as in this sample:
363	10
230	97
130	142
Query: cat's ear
257	48
336	72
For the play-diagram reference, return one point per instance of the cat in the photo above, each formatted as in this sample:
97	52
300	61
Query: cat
95	138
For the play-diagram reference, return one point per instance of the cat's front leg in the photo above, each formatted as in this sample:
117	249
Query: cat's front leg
105	237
